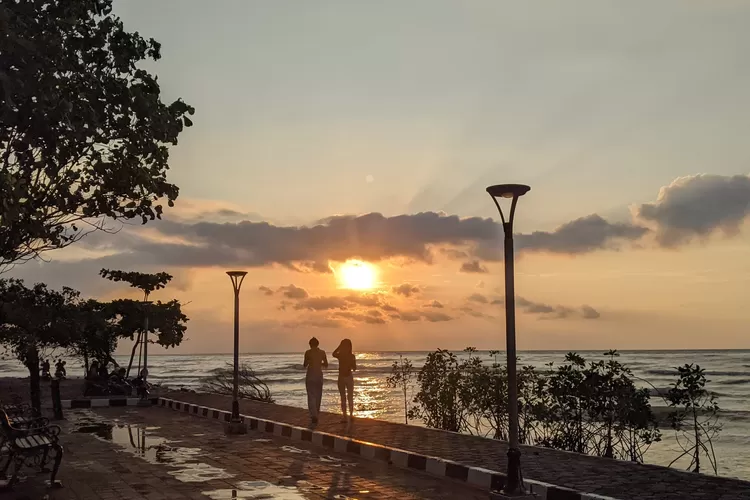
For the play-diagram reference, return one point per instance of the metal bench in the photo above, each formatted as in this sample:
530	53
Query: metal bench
28	446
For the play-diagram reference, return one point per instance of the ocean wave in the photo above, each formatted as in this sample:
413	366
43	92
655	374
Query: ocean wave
709	373
734	382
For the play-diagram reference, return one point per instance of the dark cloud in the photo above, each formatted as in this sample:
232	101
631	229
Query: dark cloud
478	297
548	311
589	312
362	318
697	206
405	289
453	253
580	236
293	292
370	237
473	266
434	304
265	290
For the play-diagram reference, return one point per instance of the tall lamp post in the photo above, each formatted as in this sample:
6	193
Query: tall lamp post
514	484
144	401
235	424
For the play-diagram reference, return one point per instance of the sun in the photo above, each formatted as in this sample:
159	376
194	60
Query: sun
357	275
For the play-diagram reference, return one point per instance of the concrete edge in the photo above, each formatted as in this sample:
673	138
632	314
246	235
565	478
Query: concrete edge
74	404
476	476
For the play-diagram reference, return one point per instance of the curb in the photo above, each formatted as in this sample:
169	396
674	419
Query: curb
73	404
476	476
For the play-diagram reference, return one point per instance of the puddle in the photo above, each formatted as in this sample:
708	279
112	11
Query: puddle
154	449
335	462
263	440
292	449
256	490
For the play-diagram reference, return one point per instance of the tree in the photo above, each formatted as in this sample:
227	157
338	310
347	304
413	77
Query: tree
96	331
147	283
401	376
84	134
33	319
695	416
165	320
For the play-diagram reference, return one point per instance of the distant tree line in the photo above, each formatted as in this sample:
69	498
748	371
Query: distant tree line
591	407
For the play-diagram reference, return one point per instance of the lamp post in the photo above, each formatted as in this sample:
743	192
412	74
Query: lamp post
144	400
514	484
235	424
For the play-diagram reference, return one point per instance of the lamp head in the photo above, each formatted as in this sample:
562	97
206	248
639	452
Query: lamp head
236	274
508	190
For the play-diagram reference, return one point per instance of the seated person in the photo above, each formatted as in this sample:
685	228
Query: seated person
118	384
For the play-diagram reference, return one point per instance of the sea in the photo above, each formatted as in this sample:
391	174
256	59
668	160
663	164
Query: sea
727	370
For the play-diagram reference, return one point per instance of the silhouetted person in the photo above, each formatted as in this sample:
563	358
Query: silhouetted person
45	370
93	373
60	371
315	361
103	372
347	365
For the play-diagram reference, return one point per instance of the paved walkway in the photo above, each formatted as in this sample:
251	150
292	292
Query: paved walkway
158	454
614	478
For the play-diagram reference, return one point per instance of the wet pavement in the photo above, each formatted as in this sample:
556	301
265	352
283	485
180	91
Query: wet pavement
157	454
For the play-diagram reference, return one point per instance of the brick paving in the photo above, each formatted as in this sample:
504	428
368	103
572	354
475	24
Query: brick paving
619	479
155	454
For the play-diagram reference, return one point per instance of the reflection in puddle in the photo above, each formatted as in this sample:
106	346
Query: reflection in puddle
257	490
263	440
292	449
154	449
248	490
336	462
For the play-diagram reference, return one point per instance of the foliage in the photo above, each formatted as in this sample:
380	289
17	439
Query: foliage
585	407
695	416
439	402
249	385
97	331
33	319
165	319
402	373
84	134
145	282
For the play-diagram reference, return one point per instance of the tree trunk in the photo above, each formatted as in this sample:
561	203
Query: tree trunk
32	363
132	354
85	364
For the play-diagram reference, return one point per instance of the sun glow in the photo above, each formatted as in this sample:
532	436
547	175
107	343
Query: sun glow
357	275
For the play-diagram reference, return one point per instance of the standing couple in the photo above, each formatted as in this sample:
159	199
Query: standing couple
315	361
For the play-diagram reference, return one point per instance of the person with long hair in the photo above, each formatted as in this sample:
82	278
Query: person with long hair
347	365
315	361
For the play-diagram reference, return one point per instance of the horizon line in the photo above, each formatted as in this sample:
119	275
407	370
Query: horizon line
457	351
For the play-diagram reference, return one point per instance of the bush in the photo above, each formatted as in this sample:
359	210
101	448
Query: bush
579	406
249	387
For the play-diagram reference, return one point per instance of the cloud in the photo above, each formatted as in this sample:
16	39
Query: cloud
293	292
548	311
265	290
477	297
473	266
697	206
434	304
480	284
589	312
580	236
406	289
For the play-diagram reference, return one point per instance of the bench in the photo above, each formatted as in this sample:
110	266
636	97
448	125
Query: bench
29	446
23	416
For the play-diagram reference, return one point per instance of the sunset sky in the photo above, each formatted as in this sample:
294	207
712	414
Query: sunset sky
334	130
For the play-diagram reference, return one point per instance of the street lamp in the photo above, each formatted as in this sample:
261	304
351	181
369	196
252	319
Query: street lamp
514	483
144	401
235	424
